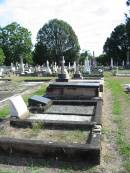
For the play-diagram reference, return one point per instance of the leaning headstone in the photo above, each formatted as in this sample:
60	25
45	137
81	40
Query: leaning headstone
18	108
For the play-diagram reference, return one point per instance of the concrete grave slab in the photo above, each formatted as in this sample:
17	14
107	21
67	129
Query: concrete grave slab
56	117
71	109
71	90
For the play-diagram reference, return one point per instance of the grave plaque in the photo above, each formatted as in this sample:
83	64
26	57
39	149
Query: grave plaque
39	103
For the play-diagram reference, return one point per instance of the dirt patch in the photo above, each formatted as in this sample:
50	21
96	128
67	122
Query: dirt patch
111	160
36	133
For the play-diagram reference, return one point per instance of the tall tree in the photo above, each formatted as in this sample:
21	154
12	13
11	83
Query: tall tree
103	60
15	41
116	45
2	56
40	54
59	39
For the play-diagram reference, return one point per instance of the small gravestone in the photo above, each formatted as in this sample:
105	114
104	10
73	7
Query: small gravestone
18	108
39	100
38	103
77	74
55	68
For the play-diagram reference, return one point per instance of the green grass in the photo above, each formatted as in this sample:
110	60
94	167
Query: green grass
117	93
41	91
8	171
4	111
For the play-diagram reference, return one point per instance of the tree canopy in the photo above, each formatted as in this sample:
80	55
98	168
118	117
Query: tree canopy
15	41
2	56
116	46
57	38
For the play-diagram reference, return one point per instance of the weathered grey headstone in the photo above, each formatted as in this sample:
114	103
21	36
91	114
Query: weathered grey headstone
87	66
111	65
18	107
48	70
21	65
74	66
77	74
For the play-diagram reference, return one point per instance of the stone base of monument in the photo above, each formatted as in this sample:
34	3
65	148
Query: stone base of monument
62	78
73	90
77	76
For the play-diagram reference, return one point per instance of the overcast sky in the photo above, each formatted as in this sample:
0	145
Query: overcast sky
92	20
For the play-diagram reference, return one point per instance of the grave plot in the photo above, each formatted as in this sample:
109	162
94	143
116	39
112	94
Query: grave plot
40	132
66	124
66	145
67	130
71	112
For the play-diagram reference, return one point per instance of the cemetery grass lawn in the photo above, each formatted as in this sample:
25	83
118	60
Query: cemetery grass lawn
22	78
121	115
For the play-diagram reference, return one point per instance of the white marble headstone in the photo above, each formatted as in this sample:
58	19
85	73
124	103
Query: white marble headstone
18	107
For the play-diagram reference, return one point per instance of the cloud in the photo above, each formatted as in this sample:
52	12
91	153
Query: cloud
92	21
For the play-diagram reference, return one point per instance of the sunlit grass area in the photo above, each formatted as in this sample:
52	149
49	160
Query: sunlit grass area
119	98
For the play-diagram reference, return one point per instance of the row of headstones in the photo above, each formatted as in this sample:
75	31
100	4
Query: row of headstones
112	64
27	69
